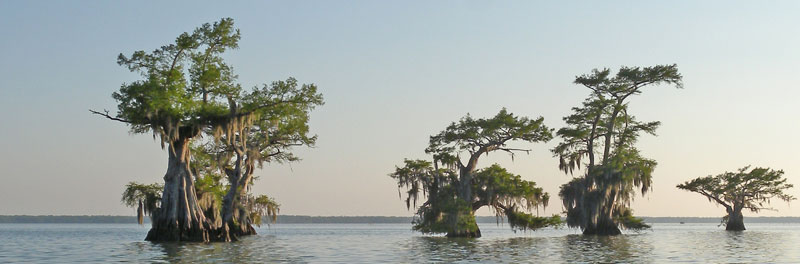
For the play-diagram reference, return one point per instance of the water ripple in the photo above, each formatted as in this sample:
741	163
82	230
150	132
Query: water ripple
353	243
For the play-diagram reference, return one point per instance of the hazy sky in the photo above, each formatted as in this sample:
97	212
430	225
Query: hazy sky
392	75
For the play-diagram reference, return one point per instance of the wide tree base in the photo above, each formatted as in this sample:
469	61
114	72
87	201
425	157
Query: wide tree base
605	230
166	234
735	226
235	234
170	233
735	221
466	234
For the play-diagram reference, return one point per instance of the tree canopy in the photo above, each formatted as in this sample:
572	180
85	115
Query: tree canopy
741	190
481	136
184	83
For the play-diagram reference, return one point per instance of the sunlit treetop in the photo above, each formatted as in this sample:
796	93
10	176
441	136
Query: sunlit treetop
480	136
266	123
184	85
629	80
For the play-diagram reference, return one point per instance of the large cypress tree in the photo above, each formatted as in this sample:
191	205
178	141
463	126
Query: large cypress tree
603	131
456	188
188	89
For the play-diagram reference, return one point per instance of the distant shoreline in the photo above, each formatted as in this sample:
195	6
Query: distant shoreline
304	219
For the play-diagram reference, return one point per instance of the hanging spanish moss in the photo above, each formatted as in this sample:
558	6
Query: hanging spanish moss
146	198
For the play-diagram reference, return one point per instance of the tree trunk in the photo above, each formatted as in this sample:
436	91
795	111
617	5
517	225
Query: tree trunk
465	185
462	220
609	133
600	221
604	227
464	225
735	221
466	233
235	215
180	218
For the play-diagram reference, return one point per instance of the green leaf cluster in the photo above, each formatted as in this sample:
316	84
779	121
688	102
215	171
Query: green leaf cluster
184	83
146	197
263	206
484	135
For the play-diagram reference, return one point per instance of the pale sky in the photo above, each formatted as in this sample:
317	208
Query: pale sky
394	73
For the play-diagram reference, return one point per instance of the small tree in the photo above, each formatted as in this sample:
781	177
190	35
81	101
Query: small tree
741	190
455	189
147	198
263	206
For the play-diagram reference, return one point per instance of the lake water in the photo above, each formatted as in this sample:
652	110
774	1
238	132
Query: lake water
396	243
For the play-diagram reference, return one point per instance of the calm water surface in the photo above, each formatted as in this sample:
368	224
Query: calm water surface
395	243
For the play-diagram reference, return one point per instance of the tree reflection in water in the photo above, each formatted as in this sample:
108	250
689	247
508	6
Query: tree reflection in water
256	249
606	249
570	249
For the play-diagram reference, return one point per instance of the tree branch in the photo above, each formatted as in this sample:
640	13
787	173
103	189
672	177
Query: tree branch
706	194
106	115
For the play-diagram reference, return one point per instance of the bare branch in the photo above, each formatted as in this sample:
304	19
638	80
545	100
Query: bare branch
106	115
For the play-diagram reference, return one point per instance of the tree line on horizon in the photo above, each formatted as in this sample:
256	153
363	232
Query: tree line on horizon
217	133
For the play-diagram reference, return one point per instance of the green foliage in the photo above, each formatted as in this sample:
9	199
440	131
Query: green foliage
180	83
188	89
494	186
480	136
146	197
264	206
583	127
604	132
631	170
262	125
447	215
524	221
419	177
629	80
628	221
505	192
743	189
281	112
212	184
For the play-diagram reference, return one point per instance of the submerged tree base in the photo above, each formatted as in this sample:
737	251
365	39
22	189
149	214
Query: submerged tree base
739	227
237	233
196	235
735	224
603	230
206	233
466	234
172	234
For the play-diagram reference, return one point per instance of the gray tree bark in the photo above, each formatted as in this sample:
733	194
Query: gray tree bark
235	216
180	218
735	220
465	194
